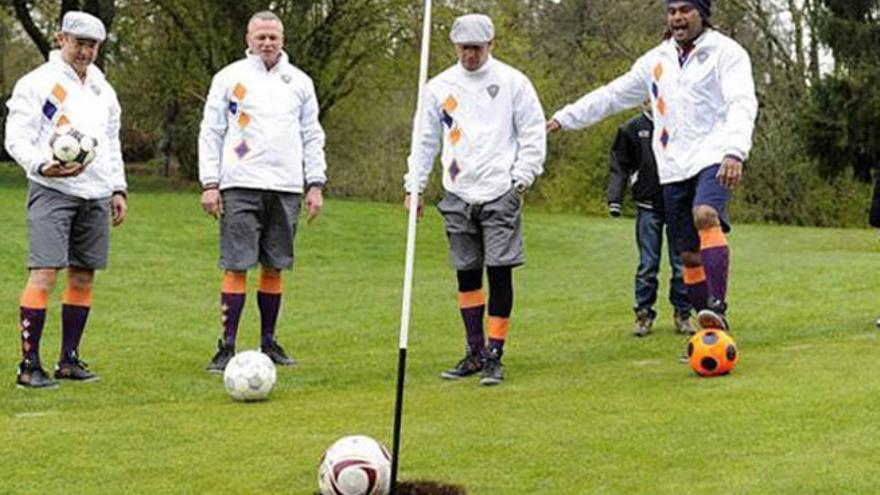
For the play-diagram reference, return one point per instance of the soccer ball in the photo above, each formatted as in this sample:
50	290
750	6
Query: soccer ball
249	376
355	465
712	352
71	146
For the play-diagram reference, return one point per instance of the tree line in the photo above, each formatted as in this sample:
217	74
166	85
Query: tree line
816	70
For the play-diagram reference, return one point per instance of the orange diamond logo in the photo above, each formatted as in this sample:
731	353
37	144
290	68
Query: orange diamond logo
59	93
239	91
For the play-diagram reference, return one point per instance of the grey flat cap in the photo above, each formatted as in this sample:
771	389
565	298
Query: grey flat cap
472	28
83	25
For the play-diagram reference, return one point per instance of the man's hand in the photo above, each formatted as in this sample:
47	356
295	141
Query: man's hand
420	208
59	170
211	202
730	172
553	125
314	203
118	208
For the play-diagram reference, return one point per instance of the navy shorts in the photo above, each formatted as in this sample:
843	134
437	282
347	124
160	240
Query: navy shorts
680	199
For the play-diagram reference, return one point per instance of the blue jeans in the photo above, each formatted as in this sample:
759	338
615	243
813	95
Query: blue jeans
649	237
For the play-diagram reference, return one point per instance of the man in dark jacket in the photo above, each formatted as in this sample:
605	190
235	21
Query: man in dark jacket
632	161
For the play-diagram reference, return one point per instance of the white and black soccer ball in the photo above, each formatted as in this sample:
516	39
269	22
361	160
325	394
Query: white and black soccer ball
355	465
249	376
71	146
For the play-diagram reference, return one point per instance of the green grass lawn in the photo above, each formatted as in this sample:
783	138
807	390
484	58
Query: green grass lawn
585	409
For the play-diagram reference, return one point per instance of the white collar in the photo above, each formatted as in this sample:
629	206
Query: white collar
282	60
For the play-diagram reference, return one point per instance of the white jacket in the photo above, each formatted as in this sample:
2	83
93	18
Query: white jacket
703	111
52	95
260	128
492	127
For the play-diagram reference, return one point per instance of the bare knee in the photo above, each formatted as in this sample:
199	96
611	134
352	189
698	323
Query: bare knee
42	278
80	278
705	217
691	259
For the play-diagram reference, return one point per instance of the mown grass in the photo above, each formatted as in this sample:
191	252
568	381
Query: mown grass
585	408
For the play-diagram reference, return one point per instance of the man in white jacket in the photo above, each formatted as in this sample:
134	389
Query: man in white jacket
490	121
703	95
260	148
70	205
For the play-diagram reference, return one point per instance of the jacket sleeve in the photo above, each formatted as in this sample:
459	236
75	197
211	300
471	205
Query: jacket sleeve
625	92
738	89
531	134
212	132
426	135
621	164
114	148
314	161
23	128
874	219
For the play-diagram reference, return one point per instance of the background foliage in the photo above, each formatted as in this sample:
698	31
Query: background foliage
816	72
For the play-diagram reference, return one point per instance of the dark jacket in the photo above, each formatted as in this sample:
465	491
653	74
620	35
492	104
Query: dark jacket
875	203
632	161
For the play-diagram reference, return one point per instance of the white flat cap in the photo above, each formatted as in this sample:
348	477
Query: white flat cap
83	25
472	28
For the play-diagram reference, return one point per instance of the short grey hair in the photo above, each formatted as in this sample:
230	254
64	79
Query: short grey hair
265	15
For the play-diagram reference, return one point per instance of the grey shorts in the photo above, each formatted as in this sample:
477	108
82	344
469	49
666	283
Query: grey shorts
483	235
67	231
257	226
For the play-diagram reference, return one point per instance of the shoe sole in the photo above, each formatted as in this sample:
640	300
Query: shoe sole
28	387
448	376
490	382
75	380
711	320
215	371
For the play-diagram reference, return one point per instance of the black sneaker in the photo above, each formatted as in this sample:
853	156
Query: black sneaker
277	355
225	352
493	370
644	322
683	323
470	364
32	375
71	367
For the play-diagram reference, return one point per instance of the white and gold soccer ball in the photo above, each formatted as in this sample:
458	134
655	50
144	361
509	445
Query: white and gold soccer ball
249	376
355	465
72	146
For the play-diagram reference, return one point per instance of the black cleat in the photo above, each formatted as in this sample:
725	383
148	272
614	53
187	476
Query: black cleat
32	375
708	318
683	323
277	355
470	364
493	370
644	322
71	367
225	352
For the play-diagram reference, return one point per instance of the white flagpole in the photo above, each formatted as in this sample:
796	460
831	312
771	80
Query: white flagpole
413	190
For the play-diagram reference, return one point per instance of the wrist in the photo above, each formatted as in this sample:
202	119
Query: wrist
210	186
315	185
122	193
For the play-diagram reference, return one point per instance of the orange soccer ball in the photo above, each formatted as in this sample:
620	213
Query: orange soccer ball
712	352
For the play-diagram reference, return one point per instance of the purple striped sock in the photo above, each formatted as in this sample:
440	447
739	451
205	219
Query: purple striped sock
473	326
270	305
231	306
715	262
73	324
32	322
698	294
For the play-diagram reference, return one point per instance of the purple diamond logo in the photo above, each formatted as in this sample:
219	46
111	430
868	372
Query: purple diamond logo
454	170
655	89
664	137
446	119
242	149
233	107
49	109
